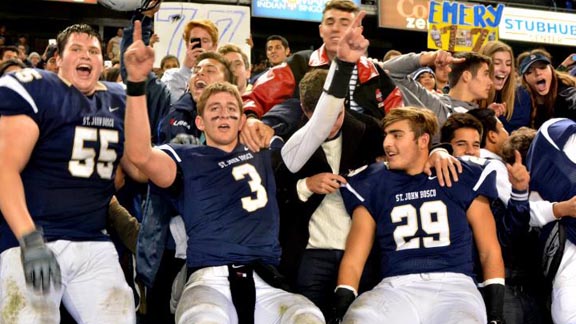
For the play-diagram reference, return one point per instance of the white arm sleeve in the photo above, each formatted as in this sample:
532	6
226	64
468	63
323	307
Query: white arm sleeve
307	139
541	211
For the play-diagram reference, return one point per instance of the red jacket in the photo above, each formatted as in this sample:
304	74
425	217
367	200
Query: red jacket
375	91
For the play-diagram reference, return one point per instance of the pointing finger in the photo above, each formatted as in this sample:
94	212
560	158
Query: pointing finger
137	33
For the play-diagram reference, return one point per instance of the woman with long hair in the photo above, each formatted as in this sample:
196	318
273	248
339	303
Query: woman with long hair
507	98
553	93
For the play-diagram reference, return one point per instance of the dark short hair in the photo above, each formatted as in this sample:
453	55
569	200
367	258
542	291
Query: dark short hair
457	121
168	57
489	122
473	62
8	48
63	36
282	40
8	63
228	75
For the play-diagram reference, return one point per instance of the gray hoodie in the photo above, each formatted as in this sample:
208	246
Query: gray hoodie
415	94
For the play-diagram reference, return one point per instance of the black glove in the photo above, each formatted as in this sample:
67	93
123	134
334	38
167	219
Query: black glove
494	300
39	262
342	299
186	139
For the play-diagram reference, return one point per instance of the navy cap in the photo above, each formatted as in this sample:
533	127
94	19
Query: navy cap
421	70
531	59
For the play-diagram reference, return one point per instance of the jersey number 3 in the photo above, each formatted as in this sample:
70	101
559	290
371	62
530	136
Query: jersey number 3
433	221
83	158
249	203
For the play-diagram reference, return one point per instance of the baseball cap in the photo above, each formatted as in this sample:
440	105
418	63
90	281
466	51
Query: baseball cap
421	70
531	59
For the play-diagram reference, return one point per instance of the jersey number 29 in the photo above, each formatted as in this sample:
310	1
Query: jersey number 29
433	221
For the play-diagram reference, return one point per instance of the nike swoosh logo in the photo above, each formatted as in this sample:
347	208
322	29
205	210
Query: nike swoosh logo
113	109
236	266
432	178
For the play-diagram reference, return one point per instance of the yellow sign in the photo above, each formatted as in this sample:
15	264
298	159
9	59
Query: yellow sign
457	27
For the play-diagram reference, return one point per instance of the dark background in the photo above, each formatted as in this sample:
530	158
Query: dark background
41	20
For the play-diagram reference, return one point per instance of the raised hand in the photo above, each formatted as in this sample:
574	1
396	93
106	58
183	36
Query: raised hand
138	58
518	174
353	45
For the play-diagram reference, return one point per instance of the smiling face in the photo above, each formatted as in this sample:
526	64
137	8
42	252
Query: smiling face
333	26
539	78
427	80
81	62
502	62
276	52
403	150
221	120
206	72
466	141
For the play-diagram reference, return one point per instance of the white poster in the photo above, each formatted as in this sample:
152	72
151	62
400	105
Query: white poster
233	25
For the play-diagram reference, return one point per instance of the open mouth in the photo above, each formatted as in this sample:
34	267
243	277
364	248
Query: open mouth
541	85
501	77
84	70
199	84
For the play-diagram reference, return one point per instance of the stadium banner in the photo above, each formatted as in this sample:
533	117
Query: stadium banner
457	27
538	26
306	10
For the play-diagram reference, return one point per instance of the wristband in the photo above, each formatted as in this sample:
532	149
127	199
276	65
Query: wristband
347	287
135	89
337	82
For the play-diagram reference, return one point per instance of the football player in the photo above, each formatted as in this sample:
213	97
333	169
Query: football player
424	232
226	196
551	161
61	140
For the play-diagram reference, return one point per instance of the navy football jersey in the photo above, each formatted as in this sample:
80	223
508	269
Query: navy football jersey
68	180
552	173
228	203
420	226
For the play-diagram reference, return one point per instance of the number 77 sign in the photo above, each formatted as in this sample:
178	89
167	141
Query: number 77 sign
233	24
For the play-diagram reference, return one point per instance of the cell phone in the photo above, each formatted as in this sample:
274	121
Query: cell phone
107	64
52	41
196	40
574	57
